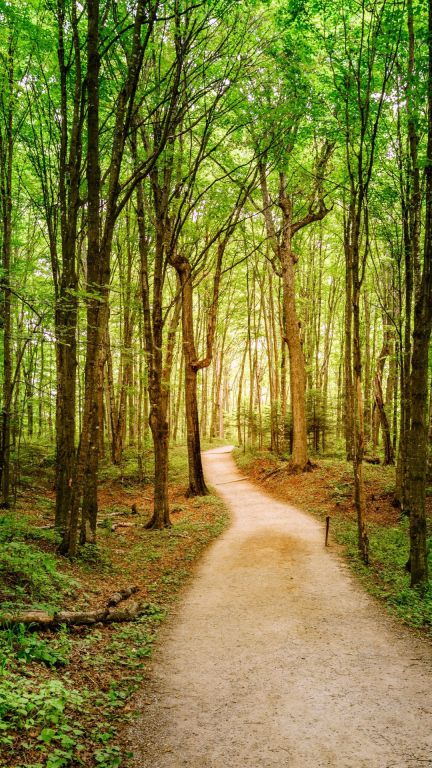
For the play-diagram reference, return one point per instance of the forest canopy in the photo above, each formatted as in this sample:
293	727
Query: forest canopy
215	222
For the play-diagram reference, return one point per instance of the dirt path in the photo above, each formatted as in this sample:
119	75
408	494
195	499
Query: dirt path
277	658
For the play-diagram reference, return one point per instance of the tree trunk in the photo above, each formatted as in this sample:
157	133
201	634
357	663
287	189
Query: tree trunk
419	384
66	310
283	264
159	429
197	486
411	213
379	399
348	375
153	324
368	367
179	398
359	491
85	479
6	166
299	455
240	396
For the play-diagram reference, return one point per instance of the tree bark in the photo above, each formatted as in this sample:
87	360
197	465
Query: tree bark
419	384
6	166
197	485
411	201
283	264
379	397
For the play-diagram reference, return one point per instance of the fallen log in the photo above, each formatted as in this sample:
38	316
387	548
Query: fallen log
122	594
122	524
111	613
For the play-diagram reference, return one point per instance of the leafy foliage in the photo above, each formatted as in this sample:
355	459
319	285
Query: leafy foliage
30	575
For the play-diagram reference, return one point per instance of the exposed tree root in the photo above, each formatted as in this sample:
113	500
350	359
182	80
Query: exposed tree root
157	525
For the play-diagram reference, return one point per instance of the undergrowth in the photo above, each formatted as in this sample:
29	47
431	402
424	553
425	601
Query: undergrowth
29	573
386	576
66	695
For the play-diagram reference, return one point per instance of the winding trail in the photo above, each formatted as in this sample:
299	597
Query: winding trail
276	658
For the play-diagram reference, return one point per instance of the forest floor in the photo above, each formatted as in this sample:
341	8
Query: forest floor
66	695
276	656
328	491
76	697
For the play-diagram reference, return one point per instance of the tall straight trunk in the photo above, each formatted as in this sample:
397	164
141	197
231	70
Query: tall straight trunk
182	265
66	283
395	397
299	455
339	402
98	257
197	486
141	385
390	385
66	365
131	407
29	391
204	403
240	396
250	311
359	436
379	397
176	418
411	213
348	374
41	389
276	375
88	451
217	417
325	364
100	233
158	371
283	263
125	376
355	262
283	390
158	420
213	414
50	409
6	166
405	415
419	384
258	402
368	367
271	365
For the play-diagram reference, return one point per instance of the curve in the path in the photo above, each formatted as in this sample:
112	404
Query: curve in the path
276	658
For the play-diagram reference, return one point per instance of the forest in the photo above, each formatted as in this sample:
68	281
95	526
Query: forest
215	228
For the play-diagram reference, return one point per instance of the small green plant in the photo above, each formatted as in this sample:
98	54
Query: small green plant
26	646
49	706
152	555
30	576
94	557
108	757
13	528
